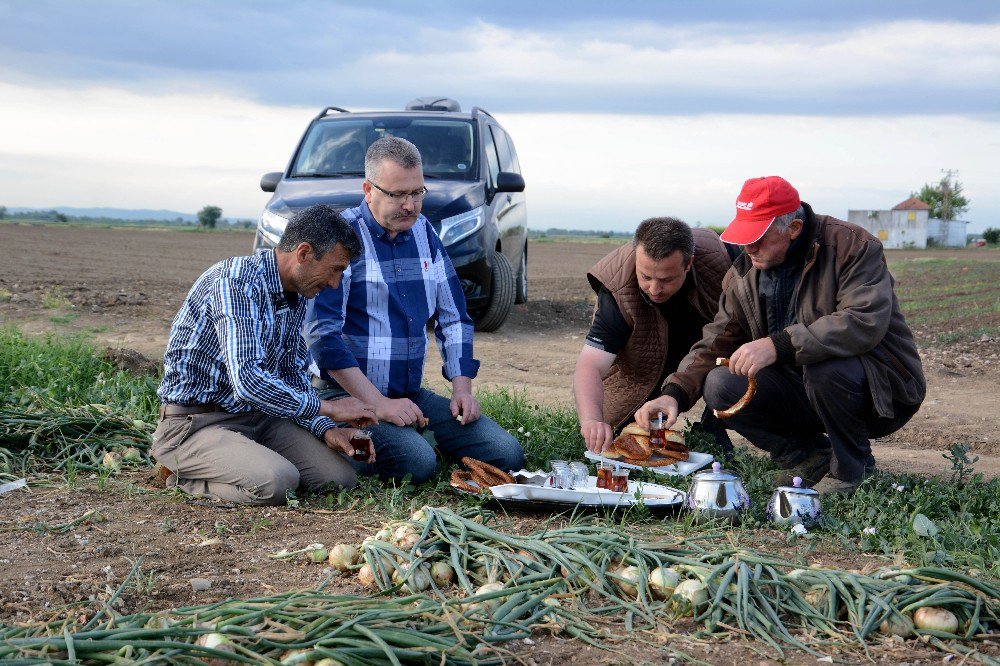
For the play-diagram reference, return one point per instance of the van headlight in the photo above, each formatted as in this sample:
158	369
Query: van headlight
272	225
457	227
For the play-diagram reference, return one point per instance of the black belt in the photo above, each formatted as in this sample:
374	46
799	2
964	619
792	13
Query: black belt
171	409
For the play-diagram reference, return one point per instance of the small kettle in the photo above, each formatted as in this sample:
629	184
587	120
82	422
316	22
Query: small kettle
718	494
794	505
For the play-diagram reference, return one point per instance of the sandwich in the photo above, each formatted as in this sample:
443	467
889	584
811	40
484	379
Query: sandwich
633	446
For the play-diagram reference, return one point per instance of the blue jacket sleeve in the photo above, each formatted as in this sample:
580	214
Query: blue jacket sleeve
324	327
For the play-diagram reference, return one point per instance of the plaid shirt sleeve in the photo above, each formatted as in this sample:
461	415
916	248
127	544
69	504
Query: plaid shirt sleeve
323	331
239	313
453	327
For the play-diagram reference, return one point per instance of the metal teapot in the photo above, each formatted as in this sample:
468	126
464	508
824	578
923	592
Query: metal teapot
718	494
793	505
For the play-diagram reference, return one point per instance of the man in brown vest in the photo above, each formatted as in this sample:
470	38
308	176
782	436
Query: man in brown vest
654	295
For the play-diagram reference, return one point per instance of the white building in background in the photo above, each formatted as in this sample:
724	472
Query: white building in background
952	233
905	226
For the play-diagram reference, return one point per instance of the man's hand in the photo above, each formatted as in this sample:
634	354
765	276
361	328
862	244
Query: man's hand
597	435
349	410
339	439
751	357
465	407
400	411
665	404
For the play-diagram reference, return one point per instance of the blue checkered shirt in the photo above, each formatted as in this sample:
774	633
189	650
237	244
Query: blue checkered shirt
236	343
377	319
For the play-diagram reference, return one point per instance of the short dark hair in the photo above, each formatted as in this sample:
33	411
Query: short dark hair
662	236
322	227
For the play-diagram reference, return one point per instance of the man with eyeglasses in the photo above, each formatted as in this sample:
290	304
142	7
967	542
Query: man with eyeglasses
368	336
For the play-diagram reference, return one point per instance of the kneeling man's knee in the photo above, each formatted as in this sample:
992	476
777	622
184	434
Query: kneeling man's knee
273	485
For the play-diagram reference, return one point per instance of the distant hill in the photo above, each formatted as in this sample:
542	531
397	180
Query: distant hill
112	213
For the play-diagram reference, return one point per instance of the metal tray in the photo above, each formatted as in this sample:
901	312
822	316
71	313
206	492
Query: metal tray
656	497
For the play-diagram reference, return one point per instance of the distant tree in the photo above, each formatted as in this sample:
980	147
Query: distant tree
945	199
992	236
62	219
3	212
209	216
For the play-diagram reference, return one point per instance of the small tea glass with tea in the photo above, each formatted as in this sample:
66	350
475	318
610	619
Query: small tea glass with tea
604	475
619	480
361	440
657	432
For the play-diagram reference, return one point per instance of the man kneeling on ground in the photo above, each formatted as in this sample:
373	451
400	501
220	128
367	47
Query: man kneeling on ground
240	420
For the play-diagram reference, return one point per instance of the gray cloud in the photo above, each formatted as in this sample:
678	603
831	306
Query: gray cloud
657	58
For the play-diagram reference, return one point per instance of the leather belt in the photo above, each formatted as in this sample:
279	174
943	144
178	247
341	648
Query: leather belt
168	410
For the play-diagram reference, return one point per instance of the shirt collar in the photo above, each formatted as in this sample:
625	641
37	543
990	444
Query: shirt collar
272	279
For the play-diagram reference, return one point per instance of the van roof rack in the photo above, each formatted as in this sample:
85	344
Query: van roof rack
476	110
328	109
433	104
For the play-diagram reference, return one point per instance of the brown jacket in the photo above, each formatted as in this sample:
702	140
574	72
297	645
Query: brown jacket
633	376
845	306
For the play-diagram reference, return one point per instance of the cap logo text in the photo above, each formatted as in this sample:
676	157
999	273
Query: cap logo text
744	205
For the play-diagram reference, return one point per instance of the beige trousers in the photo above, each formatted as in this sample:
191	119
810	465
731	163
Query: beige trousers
248	458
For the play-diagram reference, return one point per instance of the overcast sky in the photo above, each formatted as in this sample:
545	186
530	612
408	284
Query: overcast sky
619	110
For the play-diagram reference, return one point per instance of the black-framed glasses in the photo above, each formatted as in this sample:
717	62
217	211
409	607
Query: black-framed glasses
401	197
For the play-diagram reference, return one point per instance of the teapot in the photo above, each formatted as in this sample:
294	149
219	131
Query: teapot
793	505
718	494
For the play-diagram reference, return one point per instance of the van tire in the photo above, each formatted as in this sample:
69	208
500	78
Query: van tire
501	300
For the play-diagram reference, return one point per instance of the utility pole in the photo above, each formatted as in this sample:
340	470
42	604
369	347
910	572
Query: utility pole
946	213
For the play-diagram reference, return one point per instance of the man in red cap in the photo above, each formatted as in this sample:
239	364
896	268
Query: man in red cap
810	312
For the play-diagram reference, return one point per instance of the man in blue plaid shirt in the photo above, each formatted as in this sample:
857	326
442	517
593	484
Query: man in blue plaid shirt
240	420
368	336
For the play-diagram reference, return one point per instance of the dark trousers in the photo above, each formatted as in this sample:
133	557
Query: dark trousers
790	412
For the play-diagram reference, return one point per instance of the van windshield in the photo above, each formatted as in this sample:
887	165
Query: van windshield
337	147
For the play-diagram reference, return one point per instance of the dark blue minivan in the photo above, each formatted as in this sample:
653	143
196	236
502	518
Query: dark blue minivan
475	191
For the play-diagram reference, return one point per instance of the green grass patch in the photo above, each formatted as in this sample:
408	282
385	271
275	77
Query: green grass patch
64	319
55	300
61	385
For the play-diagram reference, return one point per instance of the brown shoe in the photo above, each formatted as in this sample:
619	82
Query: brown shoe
811	469
159	476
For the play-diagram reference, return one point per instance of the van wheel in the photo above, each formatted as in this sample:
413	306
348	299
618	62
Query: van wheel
522	279
501	300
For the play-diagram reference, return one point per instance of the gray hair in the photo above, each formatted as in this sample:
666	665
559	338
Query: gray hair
322	227
782	222
662	236
400	151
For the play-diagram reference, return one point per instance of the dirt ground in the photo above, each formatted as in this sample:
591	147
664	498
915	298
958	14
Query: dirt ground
122	287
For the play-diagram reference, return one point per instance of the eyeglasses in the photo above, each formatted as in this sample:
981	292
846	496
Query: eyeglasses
400	197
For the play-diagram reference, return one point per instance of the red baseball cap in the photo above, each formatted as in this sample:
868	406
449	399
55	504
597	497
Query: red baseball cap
760	201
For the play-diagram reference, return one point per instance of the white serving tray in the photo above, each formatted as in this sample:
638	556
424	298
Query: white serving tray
651	494
695	461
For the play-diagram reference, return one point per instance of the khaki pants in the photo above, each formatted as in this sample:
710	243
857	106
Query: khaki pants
248	458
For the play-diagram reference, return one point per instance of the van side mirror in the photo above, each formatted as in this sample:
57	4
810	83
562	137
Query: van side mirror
508	181
269	181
